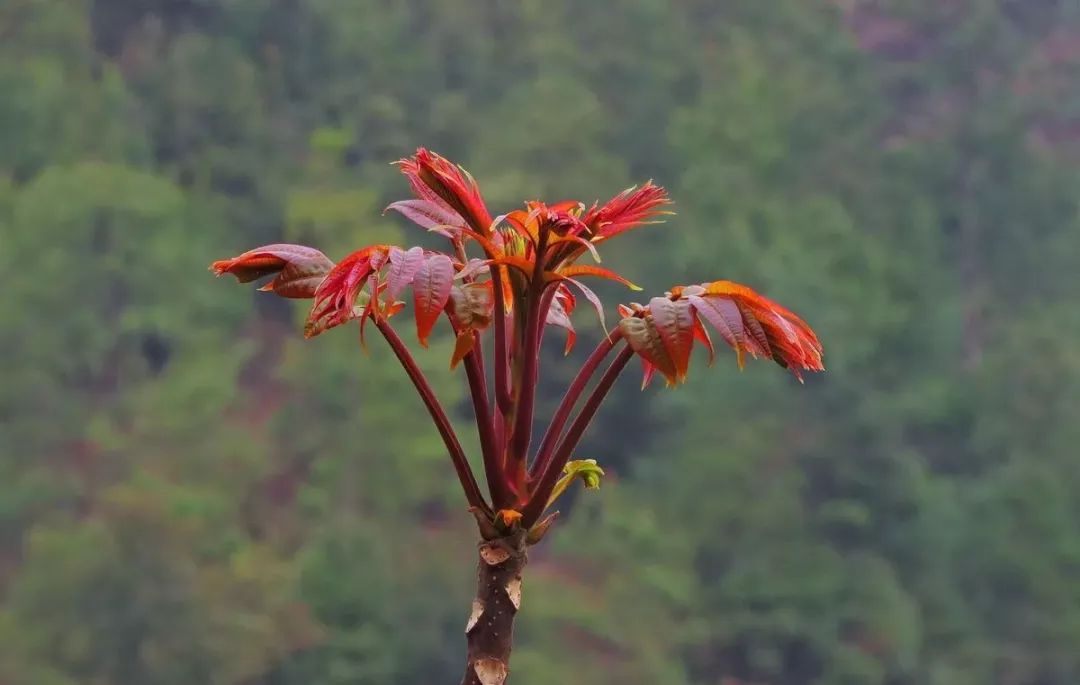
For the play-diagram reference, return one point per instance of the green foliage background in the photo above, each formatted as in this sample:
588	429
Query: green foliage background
190	493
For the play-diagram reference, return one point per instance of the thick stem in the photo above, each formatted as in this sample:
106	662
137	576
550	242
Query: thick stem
490	628
438	415
540	494
569	399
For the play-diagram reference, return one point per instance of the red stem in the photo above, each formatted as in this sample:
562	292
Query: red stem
538	501
502	367
442	423
569	399
474	371
540	300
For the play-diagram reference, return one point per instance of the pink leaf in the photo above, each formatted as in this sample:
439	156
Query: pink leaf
427	214
431	291
403	267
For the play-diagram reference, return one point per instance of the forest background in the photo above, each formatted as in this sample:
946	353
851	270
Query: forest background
191	493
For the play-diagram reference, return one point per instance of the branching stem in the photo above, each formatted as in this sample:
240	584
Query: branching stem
438	415
550	475
569	399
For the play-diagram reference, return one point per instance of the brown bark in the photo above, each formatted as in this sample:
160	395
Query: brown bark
490	629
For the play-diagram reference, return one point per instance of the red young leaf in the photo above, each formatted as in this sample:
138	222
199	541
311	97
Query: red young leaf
647	372
462	346
702	336
437	180
371	310
674	321
336	295
646	341
299	269
427	214
403	267
628	209
431	291
562	305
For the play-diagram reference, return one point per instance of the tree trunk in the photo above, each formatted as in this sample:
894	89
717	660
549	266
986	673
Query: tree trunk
490	630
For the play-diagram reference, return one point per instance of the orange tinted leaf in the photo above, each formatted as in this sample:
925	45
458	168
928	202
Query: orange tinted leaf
520	263
462	346
300	269
751	322
600	272
431	291
674	321
490	248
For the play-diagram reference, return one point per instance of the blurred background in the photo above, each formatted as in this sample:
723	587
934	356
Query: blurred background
191	493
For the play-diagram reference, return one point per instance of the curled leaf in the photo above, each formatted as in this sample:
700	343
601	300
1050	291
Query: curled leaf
646	341
337	294
438	181
472	305
300	269
674	321
585	469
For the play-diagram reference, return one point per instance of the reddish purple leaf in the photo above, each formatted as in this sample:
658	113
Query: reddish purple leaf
403	267
431	291
593	299
559	315
674	321
427	214
300	269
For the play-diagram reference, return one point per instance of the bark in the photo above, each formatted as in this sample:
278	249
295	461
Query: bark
490	629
